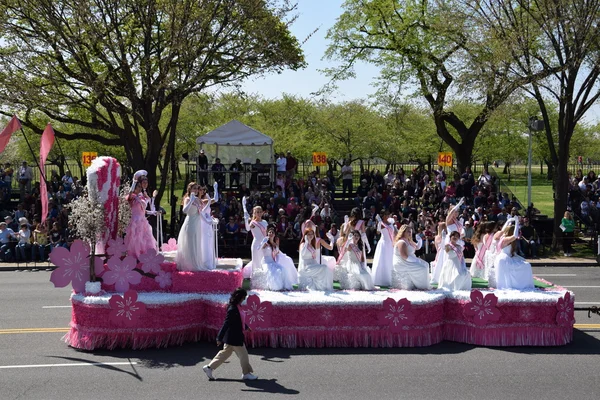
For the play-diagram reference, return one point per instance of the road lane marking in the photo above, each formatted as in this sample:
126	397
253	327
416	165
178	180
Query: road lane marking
56	307
586	302
587	326
32	330
90	364
555	274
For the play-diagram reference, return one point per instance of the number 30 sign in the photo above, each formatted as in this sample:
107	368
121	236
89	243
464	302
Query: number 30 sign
445	159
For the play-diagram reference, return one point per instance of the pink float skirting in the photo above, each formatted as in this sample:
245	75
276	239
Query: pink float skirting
520	324
173	319
216	281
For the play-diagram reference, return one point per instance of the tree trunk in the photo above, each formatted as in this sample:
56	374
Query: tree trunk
550	174
561	191
506	166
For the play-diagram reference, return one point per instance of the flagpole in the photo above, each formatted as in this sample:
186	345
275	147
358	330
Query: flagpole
42	174
61	152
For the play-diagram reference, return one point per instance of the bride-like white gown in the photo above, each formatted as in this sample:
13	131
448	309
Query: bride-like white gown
512	271
311	274
273	274
189	249
409	274
357	274
383	260
454	275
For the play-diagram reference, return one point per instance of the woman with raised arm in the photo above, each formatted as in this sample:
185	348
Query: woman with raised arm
189	251
410	272
138	235
312	274
207	235
493	251
258	227
383	260
454	275
482	240
272	274
357	274
512	271
440	254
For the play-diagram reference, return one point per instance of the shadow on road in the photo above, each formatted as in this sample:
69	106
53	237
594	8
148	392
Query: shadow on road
582	344
108	367
189	354
261	386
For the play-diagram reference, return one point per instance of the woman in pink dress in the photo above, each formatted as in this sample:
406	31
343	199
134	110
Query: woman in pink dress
138	235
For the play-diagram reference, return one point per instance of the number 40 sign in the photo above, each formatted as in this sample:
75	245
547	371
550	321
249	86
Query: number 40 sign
445	159
319	159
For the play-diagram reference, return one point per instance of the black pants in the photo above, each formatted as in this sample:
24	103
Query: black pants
568	242
347	184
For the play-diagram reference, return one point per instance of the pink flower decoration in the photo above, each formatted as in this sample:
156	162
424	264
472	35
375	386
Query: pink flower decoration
565	311
73	266
258	314
116	247
126	310
151	261
396	314
171	245
121	273
482	309
163	279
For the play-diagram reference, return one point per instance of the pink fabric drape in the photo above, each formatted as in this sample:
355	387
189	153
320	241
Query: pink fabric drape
46	144
13	126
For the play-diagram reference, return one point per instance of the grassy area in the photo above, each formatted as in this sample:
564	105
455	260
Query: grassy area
542	194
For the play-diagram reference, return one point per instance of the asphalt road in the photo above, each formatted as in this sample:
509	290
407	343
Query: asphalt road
36	364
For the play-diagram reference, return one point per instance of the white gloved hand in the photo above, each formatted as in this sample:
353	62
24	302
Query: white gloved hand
378	218
216	187
346	219
264	241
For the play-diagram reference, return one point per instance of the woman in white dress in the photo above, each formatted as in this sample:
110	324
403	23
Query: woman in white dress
330	261
272	275
440	254
410	272
357	274
383	260
258	227
512	271
312	274
482	240
492	252
189	250
207	235
353	223
454	275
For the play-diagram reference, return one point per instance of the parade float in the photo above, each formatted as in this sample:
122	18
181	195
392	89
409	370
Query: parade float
120	301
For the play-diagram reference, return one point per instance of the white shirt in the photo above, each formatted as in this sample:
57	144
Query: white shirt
24	236
346	172
281	164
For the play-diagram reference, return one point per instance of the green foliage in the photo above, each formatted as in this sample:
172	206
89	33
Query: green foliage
117	72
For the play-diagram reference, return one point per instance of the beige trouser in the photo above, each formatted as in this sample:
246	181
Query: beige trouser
224	354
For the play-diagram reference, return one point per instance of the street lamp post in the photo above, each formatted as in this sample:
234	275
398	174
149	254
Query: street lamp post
535	125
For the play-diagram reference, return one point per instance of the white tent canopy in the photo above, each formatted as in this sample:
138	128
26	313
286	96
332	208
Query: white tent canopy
235	140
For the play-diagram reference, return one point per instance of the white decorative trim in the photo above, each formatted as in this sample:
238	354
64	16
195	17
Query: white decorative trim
513	296
93	287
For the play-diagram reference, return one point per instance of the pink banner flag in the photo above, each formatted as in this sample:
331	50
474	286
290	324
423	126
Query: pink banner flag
13	126
45	146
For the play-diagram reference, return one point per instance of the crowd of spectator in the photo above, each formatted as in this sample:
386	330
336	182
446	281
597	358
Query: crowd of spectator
419	197
22	235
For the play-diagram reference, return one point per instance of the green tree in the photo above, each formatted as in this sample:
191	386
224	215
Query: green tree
561	35
119	71
436	48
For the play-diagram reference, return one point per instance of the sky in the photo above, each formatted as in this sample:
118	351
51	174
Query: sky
321	15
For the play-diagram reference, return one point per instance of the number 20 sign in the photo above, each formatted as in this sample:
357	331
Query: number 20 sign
319	159
445	159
